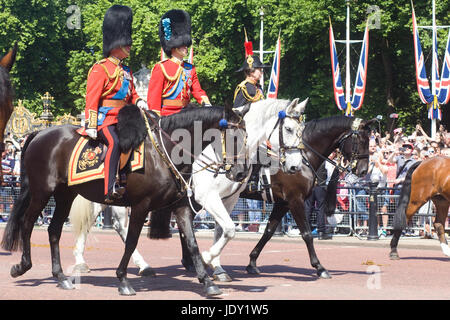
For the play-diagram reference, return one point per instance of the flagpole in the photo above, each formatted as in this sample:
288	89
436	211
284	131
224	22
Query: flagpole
347	69
433	72
261	46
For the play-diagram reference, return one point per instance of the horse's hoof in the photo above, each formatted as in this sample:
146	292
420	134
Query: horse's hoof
147	272
81	268
323	274
212	291
16	271
222	277
252	270
65	284
188	265
126	291
394	256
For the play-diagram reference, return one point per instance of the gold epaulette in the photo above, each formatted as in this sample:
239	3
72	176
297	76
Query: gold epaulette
118	73
242	87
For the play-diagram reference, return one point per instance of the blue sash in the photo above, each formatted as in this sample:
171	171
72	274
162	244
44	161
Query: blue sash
176	91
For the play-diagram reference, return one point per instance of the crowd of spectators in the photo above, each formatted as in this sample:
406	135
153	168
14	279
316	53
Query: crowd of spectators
389	161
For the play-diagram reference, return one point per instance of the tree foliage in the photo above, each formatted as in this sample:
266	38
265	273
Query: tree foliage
55	57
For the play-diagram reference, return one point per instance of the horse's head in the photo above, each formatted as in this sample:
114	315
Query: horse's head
234	139
354	146
6	94
290	135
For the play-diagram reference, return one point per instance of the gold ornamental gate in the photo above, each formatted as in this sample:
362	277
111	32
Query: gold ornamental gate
23	122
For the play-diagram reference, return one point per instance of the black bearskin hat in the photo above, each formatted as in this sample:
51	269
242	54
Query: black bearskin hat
175	30
117	28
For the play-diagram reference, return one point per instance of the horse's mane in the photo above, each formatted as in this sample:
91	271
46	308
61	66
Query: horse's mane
318	126
6	89
188	115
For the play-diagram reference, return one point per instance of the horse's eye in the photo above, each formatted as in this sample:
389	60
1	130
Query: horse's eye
290	130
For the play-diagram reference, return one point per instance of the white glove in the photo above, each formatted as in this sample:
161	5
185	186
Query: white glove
142	105
92	133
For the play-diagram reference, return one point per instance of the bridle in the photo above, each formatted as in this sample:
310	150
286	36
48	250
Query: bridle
354	156
283	148
353	134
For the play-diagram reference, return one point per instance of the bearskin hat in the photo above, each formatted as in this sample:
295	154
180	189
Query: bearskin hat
175	30
117	28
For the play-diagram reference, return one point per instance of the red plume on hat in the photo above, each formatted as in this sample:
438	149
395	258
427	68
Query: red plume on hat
248	46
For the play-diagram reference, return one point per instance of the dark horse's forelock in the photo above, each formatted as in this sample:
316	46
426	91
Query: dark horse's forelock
188	115
317	126
6	89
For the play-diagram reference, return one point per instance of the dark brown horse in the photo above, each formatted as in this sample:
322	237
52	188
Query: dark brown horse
320	138
6	95
44	173
424	181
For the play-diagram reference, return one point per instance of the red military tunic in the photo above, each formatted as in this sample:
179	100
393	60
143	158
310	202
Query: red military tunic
109	88
171	83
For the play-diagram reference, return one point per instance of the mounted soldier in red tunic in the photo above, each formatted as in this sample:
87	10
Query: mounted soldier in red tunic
109	88
173	80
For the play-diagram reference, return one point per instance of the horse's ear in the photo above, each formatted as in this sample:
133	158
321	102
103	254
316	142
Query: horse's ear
291	107
8	60
302	105
297	108
369	123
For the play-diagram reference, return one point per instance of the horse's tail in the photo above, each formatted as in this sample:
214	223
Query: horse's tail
81	216
160	224
330	198
400	212
12	238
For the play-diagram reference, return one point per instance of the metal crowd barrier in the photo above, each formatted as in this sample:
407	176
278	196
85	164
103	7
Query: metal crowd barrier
352	216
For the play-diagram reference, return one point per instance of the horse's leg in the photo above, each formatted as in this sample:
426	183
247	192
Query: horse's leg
119	215
184	222
298	213
276	215
186	259
411	209
37	204
63	201
82	216
216	208
80	264
137	218
442	206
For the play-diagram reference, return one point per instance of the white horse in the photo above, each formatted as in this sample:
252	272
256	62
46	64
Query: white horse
278	121
83	215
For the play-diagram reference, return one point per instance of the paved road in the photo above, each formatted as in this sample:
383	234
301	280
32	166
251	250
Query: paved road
359	269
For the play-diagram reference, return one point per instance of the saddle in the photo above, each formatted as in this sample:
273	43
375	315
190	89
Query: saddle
87	161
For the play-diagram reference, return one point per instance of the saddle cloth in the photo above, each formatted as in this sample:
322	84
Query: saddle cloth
86	161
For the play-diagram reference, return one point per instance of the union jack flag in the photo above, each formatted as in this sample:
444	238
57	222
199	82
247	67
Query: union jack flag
423	86
272	90
360	82
444	92
339	95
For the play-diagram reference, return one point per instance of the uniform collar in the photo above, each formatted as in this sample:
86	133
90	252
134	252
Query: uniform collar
114	60
176	60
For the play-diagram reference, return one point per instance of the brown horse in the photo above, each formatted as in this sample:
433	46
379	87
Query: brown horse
425	180
321	137
6	95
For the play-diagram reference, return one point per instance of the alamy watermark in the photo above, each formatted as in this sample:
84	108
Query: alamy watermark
74	20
